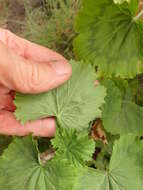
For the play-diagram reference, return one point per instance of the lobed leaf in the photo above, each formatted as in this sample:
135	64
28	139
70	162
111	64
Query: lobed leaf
74	104
110	37
125	169
121	115
20	169
76	147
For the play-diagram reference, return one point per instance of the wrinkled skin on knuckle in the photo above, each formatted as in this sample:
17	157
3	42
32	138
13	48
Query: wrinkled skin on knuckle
25	77
32	79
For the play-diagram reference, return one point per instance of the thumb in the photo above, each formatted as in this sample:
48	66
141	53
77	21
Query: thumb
27	76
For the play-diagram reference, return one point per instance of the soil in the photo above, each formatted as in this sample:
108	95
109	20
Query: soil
16	14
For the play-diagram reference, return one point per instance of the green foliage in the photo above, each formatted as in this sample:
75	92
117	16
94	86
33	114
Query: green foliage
124	169
4	142
74	104
136	86
80	157
110	37
102	159
20	167
27	170
51	24
76	147
120	114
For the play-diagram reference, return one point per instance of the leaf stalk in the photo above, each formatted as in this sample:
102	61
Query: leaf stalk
138	15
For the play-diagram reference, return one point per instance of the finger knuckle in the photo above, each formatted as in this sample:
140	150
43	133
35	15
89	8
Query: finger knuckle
34	78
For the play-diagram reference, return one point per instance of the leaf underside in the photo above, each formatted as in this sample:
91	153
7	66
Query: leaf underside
74	104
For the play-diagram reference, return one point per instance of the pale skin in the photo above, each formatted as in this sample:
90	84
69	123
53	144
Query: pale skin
27	68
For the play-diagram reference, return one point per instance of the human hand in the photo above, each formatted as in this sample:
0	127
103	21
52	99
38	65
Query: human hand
27	68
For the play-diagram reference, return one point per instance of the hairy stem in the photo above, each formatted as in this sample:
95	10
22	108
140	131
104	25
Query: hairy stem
138	15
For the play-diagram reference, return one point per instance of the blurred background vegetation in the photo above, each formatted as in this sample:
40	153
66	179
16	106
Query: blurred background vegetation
46	22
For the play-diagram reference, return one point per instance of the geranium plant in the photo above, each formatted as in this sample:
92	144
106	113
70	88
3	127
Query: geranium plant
98	142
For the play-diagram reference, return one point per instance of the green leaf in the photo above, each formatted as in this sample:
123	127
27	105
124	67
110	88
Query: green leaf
102	159
74	104
76	147
120	114
110	37
125	169
20	169
4	142
136	89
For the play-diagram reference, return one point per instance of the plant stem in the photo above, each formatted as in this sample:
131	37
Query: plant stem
138	15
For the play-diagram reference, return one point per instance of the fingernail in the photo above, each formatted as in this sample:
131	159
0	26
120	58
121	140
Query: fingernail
61	67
